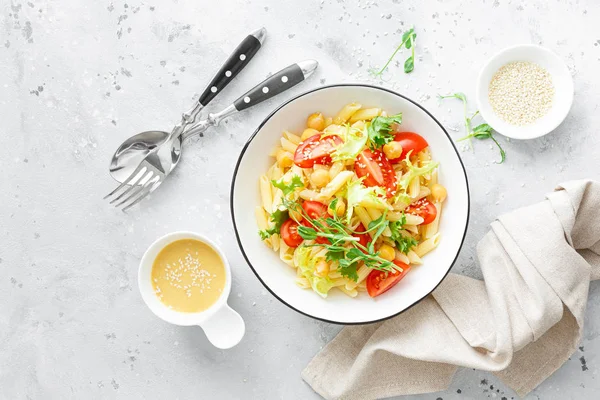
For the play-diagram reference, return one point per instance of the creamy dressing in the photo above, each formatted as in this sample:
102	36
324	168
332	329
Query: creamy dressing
188	276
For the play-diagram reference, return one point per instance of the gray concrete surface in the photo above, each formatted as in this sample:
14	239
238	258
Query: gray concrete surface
77	77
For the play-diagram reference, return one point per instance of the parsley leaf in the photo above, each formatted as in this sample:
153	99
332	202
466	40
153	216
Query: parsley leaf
380	129
278	218
405	243
348	269
335	254
288	188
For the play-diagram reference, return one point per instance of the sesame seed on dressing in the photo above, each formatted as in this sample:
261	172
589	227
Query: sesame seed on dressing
521	92
188	276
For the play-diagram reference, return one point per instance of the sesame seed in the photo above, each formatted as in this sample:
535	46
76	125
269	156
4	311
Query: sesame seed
521	92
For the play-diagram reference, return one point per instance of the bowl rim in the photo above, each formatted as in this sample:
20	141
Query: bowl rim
260	126
502	54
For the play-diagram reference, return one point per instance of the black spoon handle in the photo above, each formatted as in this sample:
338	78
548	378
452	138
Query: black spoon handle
277	83
234	64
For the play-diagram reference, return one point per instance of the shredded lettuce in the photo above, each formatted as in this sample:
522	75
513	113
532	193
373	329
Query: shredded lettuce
414	172
354	142
372	197
304	260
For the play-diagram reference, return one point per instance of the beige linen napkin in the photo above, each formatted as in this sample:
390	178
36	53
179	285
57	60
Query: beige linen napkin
523	321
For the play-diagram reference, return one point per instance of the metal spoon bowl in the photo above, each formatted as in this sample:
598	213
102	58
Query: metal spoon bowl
132	151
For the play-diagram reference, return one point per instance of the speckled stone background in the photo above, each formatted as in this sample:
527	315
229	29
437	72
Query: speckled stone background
77	77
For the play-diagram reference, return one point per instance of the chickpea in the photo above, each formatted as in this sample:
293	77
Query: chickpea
340	208
392	150
438	193
308	132
387	252
319	178
284	159
316	121
295	215
322	269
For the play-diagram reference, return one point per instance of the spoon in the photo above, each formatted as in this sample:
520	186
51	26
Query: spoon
135	149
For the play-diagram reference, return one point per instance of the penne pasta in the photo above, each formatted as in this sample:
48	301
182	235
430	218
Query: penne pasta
434	178
413	219
365	114
402	257
346	113
414	189
288	146
351	293
427	245
291	137
364	217
423	192
265	193
362	273
414	258
328	191
275	242
412	228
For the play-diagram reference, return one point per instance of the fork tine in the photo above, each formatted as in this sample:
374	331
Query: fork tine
129	180
133	189
149	187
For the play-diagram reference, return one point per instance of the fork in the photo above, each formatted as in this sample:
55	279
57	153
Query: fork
144	180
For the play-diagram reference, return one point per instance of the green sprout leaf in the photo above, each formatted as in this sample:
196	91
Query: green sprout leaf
481	131
408	41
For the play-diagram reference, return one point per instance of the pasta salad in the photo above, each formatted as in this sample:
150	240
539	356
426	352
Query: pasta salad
352	203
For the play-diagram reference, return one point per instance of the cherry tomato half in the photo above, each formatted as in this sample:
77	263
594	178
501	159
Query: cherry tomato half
316	150
379	282
289	233
424	209
314	209
377	170
363	239
409	141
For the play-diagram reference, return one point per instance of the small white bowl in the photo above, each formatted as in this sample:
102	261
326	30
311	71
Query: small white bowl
278	277
563	91
223	326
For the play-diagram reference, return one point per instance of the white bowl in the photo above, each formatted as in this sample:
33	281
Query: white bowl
277	277
563	91
223	326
